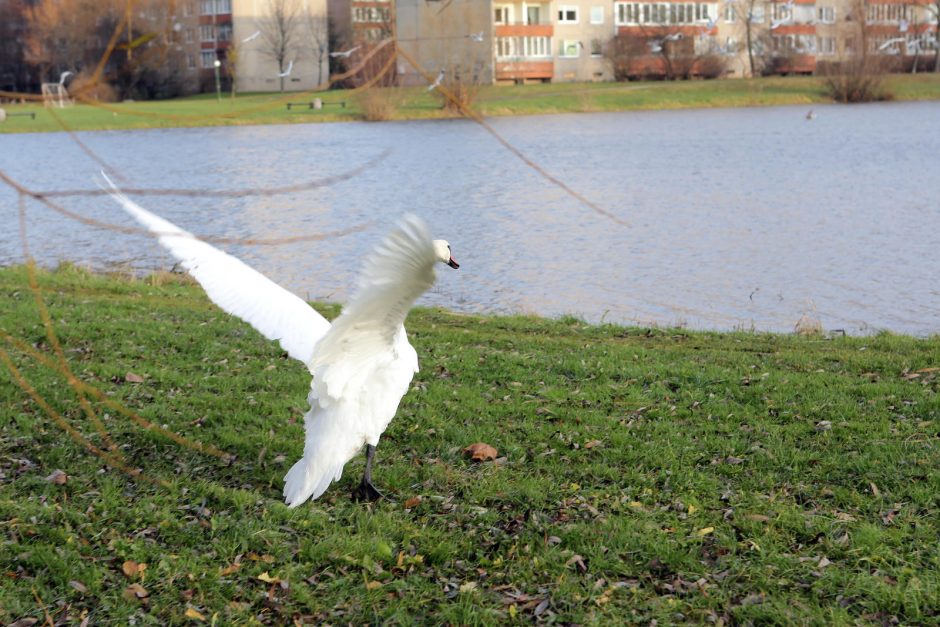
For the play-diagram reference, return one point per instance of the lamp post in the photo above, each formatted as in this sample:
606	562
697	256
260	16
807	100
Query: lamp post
218	82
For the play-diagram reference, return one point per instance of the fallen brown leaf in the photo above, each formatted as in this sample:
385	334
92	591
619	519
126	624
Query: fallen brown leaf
757	517
265	577
78	585
24	622
131	377
413	502
191	613
135	591
592	444
58	477
228	570
480	452
132	569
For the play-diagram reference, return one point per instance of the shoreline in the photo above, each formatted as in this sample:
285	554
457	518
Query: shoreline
807	327
398	104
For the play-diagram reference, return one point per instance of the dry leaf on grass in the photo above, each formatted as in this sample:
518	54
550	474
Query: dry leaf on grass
57	477
413	502
191	613
132	377
480	452
228	570
136	591
132	569
265	577
78	585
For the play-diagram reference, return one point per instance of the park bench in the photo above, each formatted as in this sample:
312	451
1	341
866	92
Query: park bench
316	103
4	114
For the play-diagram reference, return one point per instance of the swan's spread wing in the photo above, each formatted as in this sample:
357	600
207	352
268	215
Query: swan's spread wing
369	333
238	289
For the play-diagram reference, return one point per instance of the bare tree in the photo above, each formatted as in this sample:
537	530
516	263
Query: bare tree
316	38
280	33
933	12
858	75
750	15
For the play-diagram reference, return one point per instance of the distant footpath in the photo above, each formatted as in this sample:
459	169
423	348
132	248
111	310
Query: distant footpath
418	103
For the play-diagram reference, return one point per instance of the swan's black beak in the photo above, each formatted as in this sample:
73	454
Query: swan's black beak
453	264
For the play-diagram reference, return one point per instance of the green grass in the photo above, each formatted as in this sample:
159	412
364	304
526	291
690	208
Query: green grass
645	474
417	103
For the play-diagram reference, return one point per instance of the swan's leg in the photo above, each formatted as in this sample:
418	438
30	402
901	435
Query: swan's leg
366	491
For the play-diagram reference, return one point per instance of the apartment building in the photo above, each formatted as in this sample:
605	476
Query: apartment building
519	41
277	46
214	34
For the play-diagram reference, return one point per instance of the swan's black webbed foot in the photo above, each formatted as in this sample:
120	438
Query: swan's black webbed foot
367	492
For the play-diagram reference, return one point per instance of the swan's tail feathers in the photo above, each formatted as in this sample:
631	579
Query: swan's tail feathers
328	446
308	479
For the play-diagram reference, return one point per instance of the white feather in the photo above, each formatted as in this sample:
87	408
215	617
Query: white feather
362	365
237	288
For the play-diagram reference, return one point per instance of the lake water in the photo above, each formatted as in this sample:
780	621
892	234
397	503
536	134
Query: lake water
735	218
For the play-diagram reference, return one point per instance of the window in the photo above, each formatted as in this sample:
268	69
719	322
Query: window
502	15
505	47
537	46
223	6
207	32
662	13
730	17
781	12
567	15
757	15
597	15
206	7
569	48
208	58
533	15
225	32
509	47
188	36
187	11
597	48
190	61
827	15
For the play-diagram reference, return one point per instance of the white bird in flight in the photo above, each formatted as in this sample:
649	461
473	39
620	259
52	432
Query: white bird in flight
290	66
345	54
890	43
362	364
437	81
251	37
478	37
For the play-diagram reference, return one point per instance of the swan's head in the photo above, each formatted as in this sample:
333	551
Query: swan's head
442	250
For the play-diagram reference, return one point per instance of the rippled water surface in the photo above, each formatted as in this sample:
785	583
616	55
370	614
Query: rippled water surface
738	218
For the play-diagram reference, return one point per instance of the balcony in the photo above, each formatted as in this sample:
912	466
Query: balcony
522	70
522	29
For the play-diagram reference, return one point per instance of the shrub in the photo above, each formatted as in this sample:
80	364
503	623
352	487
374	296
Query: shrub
84	87
860	79
378	104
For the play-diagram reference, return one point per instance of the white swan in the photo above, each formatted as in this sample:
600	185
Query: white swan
362	364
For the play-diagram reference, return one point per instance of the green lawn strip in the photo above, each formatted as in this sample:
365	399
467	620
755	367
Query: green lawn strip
644	474
417	103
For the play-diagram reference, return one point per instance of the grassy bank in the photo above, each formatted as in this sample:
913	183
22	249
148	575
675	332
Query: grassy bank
642	474
417	103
